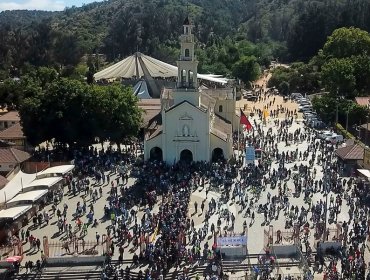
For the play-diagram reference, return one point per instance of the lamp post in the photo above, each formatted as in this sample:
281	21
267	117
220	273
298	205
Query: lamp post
336	111
347	119
326	191
367	128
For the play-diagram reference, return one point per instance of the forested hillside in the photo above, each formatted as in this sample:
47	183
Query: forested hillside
288	29
23	18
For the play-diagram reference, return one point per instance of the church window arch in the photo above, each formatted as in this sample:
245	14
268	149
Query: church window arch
183	77
191	78
220	109
187	53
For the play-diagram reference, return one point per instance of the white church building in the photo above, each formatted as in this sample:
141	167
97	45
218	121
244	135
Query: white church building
195	123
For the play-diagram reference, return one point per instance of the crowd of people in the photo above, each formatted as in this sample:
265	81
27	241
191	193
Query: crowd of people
149	218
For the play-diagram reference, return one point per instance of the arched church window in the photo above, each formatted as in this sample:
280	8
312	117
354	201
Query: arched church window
220	109
187	53
191	78
183	77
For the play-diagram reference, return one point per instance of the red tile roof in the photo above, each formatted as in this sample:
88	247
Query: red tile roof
350	152
11	155
151	108
13	132
11	116
363	101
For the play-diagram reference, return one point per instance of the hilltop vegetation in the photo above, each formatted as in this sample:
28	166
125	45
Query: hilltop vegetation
54	53
287	29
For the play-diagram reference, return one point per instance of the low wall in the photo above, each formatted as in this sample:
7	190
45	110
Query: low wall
70	261
37	166
285	251
329	246
235	251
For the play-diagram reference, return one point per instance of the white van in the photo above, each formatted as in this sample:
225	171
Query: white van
335	138
325	134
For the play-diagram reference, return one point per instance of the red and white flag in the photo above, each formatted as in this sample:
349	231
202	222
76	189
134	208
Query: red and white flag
244	120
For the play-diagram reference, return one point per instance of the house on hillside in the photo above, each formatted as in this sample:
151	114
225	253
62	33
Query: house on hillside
11	159
9	119
14	135
349	158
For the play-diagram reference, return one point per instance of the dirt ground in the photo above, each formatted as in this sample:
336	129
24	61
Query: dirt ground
248	106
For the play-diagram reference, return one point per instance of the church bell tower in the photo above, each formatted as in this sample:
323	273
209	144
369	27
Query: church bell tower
187	80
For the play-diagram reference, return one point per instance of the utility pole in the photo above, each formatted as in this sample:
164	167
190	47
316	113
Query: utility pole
347	119
336	112
326	191
367	129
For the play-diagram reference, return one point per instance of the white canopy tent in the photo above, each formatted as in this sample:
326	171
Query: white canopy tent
14	212
55	171
141	90
43	183
29	196
131	67
15	185
364	172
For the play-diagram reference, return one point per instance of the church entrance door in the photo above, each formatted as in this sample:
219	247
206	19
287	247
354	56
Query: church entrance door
156	154
186	156
217	154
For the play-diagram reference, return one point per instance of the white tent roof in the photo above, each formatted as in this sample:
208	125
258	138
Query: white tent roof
131	67
59	170
141	90
14	212
14	186
29	196
364	172
44	182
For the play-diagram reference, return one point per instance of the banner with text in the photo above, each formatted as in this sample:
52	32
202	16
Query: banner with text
232	241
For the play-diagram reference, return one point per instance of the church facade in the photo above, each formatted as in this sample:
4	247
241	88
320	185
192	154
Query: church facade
195	123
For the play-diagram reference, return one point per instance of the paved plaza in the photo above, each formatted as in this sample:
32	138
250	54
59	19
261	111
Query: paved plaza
255	227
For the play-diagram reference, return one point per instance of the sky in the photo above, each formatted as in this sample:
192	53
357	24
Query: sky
46	5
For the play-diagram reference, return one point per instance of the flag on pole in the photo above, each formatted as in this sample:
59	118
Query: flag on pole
265	114
244	120
155	233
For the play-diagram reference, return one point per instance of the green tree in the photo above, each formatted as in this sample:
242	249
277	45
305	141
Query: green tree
326	106
70	112
246	69
67	50
119	115
338	77
284	88
361	68
347	42
33	120
308	33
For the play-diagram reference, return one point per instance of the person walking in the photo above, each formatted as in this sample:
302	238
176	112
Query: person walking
97	236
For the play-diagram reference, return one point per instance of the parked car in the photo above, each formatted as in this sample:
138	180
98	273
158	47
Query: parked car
316	123
308	113
304	103
296	95
335	138
304	109
325	134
